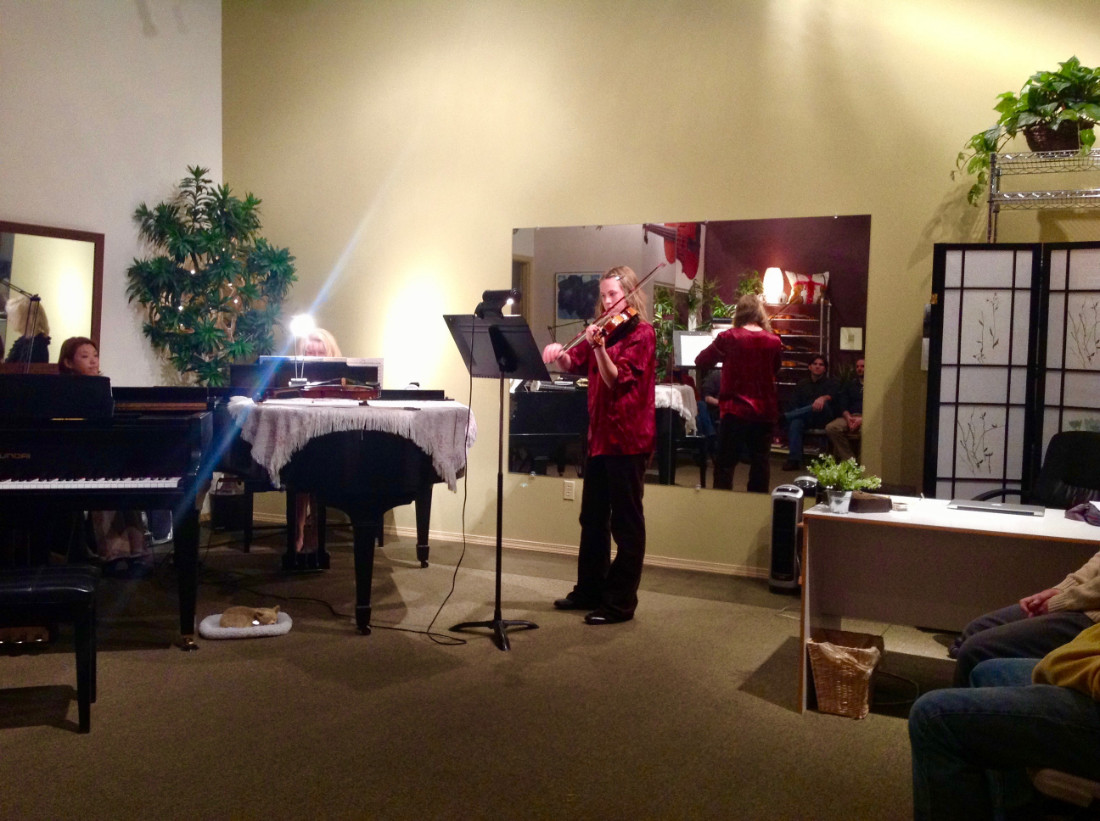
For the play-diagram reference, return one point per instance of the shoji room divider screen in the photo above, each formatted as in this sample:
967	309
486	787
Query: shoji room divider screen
1014	357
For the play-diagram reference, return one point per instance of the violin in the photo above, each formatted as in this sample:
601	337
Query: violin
613	327
326	390
616	326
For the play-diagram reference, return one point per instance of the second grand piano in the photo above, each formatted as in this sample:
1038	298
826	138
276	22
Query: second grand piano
63	448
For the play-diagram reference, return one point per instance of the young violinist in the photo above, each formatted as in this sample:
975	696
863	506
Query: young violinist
621	370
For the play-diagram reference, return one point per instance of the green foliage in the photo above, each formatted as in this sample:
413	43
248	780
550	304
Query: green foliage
1049	98
213	292
701	300
846	475
750	283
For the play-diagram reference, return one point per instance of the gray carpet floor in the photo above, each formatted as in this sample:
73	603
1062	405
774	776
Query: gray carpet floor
689	711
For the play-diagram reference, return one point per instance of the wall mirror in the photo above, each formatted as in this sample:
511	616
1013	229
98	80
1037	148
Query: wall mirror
63	268
821	270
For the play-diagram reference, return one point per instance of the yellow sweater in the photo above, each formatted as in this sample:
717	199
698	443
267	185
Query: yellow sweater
1075	665
1080	591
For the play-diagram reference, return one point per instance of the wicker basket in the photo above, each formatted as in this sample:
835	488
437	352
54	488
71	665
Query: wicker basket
842	665
1064	138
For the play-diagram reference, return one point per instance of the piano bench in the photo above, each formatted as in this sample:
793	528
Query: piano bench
58	593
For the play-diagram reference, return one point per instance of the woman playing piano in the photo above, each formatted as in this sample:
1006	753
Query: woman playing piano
119	534
621	372
317	342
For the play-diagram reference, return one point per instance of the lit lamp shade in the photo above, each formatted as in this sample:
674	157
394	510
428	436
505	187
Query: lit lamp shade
302	325
773	286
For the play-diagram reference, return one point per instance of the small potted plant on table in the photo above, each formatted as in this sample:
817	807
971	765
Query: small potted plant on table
839	480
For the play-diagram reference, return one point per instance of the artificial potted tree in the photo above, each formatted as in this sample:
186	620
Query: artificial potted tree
1054	111
840	479
213	292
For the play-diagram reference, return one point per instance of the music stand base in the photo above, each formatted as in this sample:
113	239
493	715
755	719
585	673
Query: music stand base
499	627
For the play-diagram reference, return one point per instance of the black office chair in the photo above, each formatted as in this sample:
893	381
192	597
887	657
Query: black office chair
1070	474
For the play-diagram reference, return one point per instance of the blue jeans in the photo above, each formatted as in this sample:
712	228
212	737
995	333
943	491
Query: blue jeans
1011	633
798	420
1002	723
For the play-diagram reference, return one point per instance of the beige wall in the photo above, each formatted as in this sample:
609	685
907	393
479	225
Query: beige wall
103	105
397	144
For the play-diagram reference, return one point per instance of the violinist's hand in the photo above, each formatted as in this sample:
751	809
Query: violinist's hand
1036	604
551	352
595	335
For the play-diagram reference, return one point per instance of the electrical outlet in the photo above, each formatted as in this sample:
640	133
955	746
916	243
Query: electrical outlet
569	490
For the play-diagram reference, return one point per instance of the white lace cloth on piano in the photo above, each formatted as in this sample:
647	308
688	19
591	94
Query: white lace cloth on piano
681	398
278	428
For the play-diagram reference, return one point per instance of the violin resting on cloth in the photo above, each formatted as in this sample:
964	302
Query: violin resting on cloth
326	390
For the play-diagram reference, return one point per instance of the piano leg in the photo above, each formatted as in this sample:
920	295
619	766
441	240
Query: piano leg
366	534
423	504
185	540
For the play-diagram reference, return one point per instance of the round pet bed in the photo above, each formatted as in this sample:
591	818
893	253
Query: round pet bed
210	629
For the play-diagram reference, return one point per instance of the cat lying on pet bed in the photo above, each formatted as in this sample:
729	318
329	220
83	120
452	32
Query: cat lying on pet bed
245	623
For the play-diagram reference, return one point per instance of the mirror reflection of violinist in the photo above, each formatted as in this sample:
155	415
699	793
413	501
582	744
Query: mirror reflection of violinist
618	354
748	400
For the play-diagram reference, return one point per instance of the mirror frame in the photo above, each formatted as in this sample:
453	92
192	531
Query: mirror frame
97	241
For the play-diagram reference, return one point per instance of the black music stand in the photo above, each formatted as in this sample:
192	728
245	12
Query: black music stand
498	347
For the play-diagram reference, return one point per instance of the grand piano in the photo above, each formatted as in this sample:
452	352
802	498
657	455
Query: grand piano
361	457
63	448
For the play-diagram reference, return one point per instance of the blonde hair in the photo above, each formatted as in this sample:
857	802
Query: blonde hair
326	338
19	315
629	282
750	310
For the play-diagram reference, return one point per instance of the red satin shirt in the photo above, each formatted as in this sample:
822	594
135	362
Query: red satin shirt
622	419
750	360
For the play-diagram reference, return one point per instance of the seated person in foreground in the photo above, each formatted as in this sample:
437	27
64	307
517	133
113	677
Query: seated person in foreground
1035	625
318	342
971	747
119	535
810	407
848	426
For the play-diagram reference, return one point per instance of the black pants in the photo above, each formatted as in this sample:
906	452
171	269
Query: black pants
611	507
736	436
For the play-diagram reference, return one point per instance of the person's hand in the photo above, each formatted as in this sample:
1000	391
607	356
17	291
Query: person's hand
819	403
551	352
595	336
854	422
1036	604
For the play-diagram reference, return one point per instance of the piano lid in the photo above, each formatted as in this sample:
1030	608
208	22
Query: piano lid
35	396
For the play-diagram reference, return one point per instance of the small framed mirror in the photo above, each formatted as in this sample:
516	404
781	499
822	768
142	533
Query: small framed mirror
49	278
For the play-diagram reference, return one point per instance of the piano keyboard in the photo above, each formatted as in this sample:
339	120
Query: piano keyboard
136	483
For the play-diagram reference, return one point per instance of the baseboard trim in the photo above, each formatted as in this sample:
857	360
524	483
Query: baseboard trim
560	549
742	571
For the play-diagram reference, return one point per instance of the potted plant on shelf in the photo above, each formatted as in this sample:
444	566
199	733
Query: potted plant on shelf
213	293
840	479
1055	111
